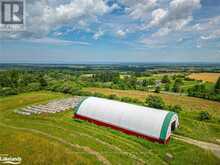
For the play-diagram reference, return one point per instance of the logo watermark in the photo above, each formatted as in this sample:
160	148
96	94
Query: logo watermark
6	159
12	15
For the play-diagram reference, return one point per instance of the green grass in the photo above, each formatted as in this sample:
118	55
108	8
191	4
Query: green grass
59	139
36	149
188	84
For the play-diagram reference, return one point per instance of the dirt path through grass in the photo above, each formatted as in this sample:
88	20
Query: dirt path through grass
98	140
101	158
215	148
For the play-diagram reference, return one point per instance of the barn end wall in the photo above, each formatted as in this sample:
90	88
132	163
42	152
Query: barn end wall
166	125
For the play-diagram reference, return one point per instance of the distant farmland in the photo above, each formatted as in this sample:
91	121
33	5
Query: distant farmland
209	77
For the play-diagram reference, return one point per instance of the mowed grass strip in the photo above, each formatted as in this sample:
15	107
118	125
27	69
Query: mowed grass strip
21	100
209	77
85	134
34	149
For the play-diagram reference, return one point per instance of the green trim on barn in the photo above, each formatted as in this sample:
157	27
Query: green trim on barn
79	104
165	125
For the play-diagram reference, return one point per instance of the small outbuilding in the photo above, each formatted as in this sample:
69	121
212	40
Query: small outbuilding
148	123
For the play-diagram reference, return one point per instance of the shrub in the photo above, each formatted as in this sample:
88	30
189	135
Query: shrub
113	97
6	91
76	92
157	89
204	116
34	86
175	108
198	91
167	87
96	94
81	93
188	79
155	102
165	79
217	86
126	99
177	85
131	100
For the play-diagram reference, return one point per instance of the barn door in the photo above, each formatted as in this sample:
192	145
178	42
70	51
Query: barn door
173	126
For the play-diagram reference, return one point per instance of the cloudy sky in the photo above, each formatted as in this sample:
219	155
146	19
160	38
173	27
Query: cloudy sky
78	31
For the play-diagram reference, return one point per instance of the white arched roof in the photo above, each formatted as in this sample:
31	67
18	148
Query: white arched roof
146	121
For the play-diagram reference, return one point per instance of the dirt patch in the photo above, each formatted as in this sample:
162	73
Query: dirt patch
115	148
214	148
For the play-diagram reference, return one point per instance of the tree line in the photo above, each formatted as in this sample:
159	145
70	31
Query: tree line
18	81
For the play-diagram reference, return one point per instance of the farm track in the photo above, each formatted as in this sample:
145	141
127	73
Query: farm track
120	140
116	148
86	149
204	145
119	150
77	134
215	148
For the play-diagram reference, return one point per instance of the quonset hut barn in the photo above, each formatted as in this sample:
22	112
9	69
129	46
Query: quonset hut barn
152	124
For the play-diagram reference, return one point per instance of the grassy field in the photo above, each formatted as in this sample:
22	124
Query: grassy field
157	76
209	77
190	125
186	83
59	139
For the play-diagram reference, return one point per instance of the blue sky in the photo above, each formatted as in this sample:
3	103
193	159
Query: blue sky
84	31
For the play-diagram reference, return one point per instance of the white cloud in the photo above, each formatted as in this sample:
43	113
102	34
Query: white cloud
157	16
206	37
212	35
152	43
45	16
209	29
121	33
156	22
54	41
161	32
98	34
57	33
198	45
183	8
140	9
175	17
168	21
